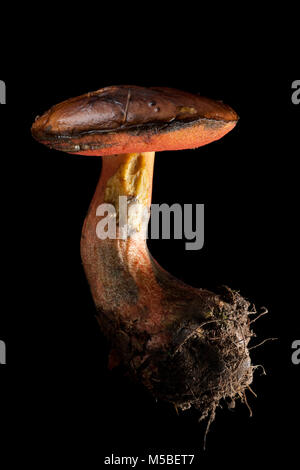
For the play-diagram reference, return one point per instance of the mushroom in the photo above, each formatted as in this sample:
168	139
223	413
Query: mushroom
188	346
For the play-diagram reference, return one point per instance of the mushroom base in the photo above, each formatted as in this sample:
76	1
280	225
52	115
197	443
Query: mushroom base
199	362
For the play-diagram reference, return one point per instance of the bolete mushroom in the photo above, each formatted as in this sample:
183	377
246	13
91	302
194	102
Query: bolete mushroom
186	345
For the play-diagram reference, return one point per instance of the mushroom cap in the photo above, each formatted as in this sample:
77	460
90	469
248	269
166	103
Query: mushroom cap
125	119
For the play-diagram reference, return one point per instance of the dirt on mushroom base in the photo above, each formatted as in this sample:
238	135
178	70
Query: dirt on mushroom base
204	363
210	360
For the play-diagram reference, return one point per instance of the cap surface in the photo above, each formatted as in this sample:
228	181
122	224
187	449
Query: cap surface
121	119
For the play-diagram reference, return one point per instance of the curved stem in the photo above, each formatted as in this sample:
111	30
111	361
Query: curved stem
118	269
161	329
124	278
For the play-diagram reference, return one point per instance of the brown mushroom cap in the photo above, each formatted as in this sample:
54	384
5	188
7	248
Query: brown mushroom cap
124	119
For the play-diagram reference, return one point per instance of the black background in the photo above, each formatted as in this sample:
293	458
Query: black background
58	401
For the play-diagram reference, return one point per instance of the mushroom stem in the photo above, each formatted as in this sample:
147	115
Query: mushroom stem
161	330
118	268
